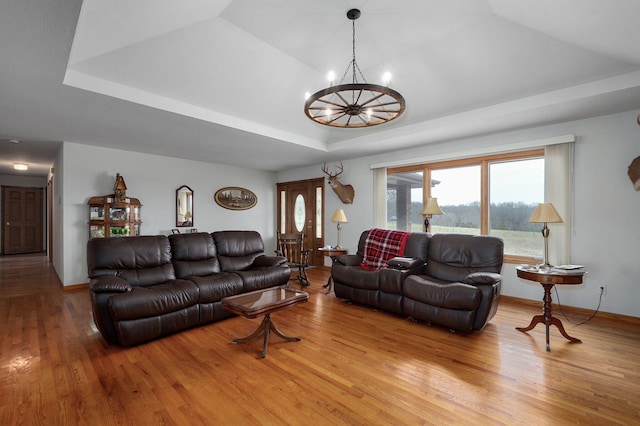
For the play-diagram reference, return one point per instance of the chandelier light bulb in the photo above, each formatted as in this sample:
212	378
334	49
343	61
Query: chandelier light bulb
386	78
331	76
327	112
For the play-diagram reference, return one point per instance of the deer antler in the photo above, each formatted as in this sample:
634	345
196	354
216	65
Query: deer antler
325	169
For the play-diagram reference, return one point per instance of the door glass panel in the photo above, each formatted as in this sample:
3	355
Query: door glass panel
318	212
299	213
283	211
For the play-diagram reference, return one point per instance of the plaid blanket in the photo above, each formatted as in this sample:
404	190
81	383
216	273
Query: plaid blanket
382	245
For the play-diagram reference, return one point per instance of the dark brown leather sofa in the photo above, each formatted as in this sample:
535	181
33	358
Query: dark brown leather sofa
453	281
148	286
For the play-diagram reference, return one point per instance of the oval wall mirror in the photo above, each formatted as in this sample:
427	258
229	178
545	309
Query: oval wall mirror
184	207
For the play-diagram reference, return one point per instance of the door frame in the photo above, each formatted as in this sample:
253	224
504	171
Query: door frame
49	220
312	241
3	217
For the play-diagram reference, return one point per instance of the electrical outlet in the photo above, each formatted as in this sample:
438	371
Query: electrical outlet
601	288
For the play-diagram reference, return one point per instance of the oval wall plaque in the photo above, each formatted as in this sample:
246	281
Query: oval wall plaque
235	198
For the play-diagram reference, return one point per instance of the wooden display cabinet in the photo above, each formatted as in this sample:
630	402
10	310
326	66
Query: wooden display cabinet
114	215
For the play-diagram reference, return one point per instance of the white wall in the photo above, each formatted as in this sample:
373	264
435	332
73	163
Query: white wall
57	211
28	181
606	235
89	171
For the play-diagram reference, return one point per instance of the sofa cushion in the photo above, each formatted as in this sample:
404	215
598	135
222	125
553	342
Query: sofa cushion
194	254
214	287
443	294
142	302
141	261
264	277
355	276
452	257
237	250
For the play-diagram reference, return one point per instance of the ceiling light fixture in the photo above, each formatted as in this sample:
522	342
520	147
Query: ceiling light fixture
20	166
355	104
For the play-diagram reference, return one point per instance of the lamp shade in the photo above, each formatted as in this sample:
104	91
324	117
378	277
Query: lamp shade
431	207
545	213
339	216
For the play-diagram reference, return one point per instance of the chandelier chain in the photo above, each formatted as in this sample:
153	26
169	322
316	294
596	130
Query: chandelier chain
353	48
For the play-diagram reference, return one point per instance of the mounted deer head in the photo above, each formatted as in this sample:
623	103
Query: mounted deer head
344	192
634	172
634	169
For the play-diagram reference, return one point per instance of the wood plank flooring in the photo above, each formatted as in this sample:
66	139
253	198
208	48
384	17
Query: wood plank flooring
353	366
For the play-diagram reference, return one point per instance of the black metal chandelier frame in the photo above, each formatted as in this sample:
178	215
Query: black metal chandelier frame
355	104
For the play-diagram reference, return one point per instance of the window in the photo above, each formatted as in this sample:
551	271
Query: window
515	189
457	188
404	200
490	195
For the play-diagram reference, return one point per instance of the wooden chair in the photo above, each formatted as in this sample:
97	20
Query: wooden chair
291	246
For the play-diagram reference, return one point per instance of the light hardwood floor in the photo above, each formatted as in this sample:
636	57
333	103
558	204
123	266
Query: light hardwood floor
353	366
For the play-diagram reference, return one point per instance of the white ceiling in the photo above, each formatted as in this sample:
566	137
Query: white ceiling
224	81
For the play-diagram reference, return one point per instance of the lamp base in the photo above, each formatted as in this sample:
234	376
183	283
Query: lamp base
544	266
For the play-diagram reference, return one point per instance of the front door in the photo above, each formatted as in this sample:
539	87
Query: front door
301	209
22	220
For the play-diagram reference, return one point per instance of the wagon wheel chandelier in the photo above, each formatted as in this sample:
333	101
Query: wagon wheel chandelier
354	104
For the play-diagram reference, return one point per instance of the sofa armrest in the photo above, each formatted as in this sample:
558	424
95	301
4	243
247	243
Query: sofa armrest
405	263
482	278
109	284
270	261
349	259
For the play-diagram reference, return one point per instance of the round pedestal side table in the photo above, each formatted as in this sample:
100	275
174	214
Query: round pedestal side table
548	278
331	253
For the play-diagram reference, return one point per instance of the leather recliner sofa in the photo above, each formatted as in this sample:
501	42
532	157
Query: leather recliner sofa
148	286
452	279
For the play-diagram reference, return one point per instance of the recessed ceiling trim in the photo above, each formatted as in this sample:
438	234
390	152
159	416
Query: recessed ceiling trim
441	127
105	87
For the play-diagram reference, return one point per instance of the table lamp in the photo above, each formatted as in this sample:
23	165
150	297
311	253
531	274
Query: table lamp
545	213
430	209
339	218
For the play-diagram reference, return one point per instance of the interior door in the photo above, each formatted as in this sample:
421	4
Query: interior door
301	209
22	220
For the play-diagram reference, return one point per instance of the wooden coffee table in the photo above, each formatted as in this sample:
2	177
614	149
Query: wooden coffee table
264	302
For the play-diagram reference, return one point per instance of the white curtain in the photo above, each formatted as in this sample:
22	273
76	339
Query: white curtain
558	160
380	198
